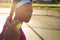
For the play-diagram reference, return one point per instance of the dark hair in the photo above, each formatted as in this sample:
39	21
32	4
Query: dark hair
31	0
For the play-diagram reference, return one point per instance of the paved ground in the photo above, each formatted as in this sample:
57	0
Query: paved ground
47	27
55	13
40	27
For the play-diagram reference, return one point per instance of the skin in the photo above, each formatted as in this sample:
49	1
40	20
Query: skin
25	13
20	16
13	33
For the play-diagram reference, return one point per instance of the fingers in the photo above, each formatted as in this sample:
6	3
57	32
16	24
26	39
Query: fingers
11	23
15	21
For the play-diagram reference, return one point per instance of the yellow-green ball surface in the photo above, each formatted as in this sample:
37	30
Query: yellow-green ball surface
18	26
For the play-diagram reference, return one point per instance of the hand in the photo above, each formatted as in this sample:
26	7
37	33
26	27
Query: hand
16	34
11	23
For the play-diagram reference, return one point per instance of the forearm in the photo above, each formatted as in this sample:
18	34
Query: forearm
16	34
13	34
12	9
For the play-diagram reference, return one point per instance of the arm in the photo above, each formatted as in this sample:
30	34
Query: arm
13	33
12	11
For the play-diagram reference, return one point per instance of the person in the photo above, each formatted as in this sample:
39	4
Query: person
12	29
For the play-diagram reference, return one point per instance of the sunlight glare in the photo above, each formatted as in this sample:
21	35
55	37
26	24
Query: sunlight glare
5	10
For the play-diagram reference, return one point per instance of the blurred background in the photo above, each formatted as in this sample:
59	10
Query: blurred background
44	23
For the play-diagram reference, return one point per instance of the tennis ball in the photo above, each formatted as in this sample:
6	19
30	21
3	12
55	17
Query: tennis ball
18	26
